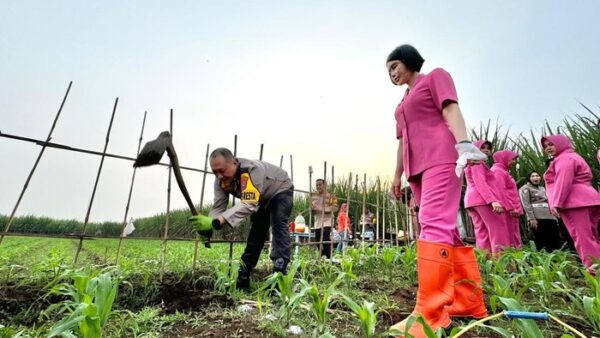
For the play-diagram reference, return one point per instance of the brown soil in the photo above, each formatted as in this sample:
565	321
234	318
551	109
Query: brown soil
16	299
173	298
244	327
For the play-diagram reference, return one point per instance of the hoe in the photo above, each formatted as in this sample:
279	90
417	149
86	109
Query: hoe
151	154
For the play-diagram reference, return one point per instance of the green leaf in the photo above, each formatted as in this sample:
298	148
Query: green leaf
528	327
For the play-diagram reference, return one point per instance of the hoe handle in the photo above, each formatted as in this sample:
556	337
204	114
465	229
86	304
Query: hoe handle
527	315
177	171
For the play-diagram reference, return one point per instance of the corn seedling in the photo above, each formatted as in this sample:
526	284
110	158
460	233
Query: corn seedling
366	313
89	306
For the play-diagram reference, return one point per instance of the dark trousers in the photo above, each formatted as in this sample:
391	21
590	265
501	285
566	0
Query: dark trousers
548	235
277	215
566	236
326	248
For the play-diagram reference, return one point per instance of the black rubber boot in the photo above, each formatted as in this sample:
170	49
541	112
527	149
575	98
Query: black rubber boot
243	279
280	265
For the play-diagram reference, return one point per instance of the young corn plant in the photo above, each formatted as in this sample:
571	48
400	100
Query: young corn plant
89	306
591	304
408	260
320	302
287	290
388	258
226	277
366	313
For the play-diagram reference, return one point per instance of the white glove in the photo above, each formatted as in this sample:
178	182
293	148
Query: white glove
467	152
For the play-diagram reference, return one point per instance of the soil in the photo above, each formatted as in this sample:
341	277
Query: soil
245	327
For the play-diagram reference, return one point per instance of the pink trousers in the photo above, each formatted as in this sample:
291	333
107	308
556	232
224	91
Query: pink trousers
437	193
491	229
582	225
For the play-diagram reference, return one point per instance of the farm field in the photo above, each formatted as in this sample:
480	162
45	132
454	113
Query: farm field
359	294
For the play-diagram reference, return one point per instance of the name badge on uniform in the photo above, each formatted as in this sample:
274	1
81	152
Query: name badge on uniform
249	192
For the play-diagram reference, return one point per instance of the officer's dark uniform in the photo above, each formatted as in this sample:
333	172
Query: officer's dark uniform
267	194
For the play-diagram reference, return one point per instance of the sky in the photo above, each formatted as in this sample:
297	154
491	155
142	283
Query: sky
306	79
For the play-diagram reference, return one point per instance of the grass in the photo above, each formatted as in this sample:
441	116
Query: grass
364	294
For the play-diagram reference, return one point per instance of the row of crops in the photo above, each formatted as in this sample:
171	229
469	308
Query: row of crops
360	293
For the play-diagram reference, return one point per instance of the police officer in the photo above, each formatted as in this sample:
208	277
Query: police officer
266	194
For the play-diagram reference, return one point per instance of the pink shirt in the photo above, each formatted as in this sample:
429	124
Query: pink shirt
506	184
481	186
481	183
569	178
426	138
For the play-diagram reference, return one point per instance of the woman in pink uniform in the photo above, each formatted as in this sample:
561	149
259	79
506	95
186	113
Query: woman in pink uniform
572	198
484	205
432	151
503	160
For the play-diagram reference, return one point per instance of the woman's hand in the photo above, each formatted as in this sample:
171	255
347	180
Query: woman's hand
514	213
533	223
497	207
396	186
555	212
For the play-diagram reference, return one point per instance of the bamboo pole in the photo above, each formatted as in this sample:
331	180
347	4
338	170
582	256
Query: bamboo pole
364	209
168	217
407	222
60	146
377	212
130	192
196	241
281	162
291	168
260	157
383	217
395	205
348	215
332	213
323	210
235	142
310	172
37	161
89	210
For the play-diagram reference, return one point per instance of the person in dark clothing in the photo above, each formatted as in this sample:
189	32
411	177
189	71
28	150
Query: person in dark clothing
267	196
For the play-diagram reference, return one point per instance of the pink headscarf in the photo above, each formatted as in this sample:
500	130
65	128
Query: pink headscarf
503	157
561	142
480	143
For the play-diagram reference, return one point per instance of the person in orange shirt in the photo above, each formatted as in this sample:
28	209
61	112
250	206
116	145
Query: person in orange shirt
343	227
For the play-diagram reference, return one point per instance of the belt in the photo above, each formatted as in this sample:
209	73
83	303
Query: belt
539	205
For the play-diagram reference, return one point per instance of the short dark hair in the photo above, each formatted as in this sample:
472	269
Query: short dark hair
320	180
226	153
409	56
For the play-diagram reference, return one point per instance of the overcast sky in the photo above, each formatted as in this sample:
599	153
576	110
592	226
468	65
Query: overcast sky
305	78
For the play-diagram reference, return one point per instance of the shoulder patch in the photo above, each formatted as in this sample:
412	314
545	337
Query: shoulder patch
249	193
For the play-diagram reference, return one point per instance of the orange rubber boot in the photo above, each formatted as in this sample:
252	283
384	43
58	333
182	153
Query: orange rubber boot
468	295
435	263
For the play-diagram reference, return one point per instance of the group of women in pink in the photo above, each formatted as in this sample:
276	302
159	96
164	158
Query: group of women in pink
433	152
492	199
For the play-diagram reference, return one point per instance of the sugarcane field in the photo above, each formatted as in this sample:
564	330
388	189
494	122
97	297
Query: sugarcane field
310	169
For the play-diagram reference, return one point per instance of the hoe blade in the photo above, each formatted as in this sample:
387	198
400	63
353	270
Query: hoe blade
153	150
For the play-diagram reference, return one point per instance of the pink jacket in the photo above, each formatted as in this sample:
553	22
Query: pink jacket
481	183
426	138
569	178
506	184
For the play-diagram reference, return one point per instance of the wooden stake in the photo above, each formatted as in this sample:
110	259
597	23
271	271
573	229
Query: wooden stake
122	236
37	161
195	257
168	217
89	210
